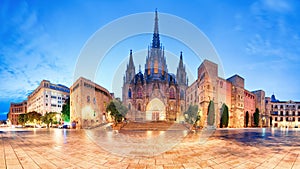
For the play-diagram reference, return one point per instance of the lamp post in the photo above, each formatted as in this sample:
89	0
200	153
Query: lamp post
263	120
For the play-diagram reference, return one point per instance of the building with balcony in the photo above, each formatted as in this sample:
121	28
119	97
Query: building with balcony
47	97
284	114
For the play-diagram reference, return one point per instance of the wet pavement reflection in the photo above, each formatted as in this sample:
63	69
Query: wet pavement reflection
98	148
136	143
263	137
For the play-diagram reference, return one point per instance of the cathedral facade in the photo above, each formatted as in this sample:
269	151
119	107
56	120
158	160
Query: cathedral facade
154	94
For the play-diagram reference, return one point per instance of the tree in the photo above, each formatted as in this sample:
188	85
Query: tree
34	117
225	116
65	113
49	118
211	113
192	115
22	119
117	110
247	118
256	117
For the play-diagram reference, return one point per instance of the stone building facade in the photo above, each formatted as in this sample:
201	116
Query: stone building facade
230	92
284	114
249	107
237	113
48	97
208	83
192	96
88	102
15	110
260	104
154	94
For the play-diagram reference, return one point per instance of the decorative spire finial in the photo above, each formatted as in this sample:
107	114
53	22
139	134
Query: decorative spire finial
181	55
156	22
155	41
131	64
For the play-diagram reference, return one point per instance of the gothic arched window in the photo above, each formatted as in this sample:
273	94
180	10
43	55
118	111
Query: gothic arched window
149	69
88	99
139	107
129	93
156	66
140	93
172	93
129	106
181	78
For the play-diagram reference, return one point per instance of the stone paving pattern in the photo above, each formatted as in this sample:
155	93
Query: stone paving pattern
61	148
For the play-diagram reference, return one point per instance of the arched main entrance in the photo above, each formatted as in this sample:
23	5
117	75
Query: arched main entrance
155	110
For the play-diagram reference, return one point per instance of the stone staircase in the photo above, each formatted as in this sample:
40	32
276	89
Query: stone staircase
153	126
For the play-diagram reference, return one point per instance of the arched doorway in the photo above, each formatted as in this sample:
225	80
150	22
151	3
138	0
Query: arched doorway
155	110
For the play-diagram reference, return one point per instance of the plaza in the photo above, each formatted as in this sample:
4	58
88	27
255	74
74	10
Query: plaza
221	148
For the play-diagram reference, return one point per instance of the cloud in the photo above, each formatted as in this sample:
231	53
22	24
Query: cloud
273	48
27	54
277	5
263	47
273	32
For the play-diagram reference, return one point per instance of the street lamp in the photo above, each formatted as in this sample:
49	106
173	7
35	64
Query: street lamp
263	120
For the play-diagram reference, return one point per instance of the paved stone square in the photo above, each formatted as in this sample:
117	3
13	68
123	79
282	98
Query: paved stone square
223	148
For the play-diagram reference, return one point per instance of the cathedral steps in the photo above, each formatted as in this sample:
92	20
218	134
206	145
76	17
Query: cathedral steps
153	126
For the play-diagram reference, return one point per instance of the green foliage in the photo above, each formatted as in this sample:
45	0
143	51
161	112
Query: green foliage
247	118
211	113
256	117
33	117
22	119
192	115
224	116
65	113
117	110
29	117
49	118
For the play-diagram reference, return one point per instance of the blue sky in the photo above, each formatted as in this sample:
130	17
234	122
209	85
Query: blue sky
259	40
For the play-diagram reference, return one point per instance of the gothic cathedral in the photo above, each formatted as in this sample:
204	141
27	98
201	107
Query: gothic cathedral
155	94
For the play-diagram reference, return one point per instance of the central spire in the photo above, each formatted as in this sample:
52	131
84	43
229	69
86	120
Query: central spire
155	41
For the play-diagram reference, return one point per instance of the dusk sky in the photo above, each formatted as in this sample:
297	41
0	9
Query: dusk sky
259	40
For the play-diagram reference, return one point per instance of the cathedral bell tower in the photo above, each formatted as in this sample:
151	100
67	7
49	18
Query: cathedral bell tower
156	67
182	86
130	71
128	78
181	73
